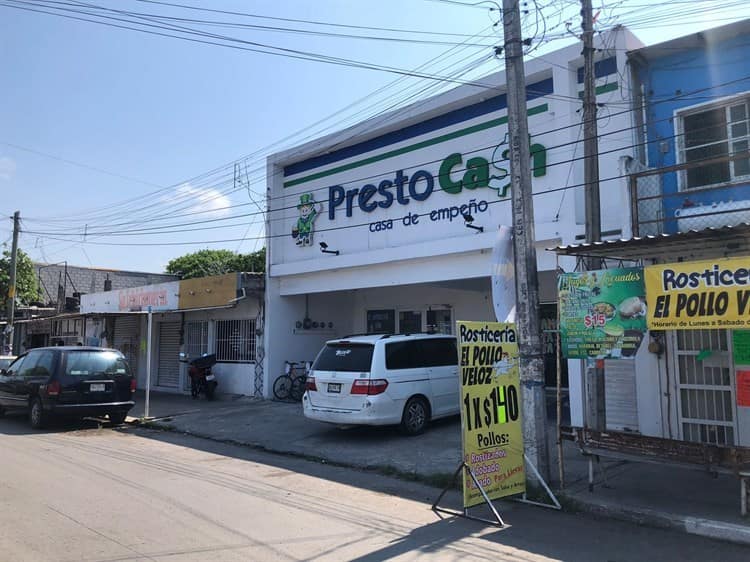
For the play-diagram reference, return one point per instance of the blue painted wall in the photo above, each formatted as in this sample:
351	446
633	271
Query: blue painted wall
680	80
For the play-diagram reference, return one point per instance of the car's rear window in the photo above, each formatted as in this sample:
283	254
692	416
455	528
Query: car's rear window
351	357
421	353
88	363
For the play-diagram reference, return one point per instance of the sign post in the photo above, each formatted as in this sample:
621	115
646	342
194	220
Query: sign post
148	362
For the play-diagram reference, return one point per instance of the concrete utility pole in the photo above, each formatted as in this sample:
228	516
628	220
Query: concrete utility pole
527	286
590	134
595	407
11	305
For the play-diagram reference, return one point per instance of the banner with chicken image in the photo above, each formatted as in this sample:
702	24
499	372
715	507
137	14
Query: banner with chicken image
602	313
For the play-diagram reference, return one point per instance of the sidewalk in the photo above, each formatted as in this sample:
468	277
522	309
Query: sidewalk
685	500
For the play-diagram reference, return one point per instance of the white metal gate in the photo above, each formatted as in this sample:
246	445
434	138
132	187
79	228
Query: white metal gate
196	343
125	338
168	374
704	375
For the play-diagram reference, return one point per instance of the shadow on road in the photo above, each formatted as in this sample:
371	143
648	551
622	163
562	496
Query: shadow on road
552	534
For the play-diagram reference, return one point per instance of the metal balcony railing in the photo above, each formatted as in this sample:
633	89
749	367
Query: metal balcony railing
662	202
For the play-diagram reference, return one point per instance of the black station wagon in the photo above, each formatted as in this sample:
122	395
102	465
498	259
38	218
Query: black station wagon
68	382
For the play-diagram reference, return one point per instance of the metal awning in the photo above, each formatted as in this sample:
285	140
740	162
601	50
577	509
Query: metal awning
709	243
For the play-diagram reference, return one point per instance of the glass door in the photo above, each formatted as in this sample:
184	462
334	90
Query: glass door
439	321
409	322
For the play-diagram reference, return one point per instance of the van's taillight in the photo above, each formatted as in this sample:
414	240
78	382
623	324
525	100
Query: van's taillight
52	389
369	387
310	384
133	384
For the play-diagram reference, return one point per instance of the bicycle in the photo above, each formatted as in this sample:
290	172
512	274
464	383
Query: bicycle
291	385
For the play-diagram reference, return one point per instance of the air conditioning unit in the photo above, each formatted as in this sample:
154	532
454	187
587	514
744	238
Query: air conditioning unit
722	213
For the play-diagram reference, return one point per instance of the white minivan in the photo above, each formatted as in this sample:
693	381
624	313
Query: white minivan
384	380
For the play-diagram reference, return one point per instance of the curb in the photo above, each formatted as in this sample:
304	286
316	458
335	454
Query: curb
707	528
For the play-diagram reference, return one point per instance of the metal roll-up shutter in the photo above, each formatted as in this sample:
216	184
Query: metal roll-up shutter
125	338
620	392
168	374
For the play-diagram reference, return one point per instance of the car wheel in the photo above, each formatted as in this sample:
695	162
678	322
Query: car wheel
415	417
37	415
117	418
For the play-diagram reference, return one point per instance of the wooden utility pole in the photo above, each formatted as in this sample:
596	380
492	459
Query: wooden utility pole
527	286
595	407
11	304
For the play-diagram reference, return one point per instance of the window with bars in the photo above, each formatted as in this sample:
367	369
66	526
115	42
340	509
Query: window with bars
722	130
235	341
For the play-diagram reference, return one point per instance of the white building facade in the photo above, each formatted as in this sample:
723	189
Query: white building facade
388	199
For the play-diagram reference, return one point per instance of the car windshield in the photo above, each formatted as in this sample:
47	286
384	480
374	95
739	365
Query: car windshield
346	356
85	363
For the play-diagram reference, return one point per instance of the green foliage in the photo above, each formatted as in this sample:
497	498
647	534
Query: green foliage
255	262
27	287
216	262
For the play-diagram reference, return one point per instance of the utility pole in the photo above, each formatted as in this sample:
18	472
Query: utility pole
590	134
596	410
527	285
11	305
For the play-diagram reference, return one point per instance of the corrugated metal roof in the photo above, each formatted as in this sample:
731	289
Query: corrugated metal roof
721	241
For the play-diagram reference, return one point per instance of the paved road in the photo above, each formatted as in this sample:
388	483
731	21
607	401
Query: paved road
85	493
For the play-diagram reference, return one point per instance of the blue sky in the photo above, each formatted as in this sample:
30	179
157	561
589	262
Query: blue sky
80	99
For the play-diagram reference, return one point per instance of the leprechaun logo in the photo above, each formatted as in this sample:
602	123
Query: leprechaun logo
308	209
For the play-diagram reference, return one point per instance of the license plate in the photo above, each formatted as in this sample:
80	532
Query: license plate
334	387
97	387
210	377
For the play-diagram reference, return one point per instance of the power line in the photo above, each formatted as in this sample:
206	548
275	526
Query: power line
685	95
243	45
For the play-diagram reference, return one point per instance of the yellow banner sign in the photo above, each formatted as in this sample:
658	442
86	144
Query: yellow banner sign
699	295
490	410
204	292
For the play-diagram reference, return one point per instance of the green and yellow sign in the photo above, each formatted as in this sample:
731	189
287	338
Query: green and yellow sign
490	410
699	295
602	313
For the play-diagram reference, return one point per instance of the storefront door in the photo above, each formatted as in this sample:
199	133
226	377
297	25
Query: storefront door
410	321
168	374
704	378
125	338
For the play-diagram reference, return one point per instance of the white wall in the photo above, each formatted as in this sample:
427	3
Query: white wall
402	265
233	378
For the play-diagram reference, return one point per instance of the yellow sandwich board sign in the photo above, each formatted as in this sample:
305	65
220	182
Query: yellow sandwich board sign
490	411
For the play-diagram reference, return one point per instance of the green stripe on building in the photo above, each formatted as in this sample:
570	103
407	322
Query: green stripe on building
424	144
603	89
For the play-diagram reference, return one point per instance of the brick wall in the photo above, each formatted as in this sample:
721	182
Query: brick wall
90	280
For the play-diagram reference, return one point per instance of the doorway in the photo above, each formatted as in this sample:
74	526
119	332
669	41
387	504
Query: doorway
702	361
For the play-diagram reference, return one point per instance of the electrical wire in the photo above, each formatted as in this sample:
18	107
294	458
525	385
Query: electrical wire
380	174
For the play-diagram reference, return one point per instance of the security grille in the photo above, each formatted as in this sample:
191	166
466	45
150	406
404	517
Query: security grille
196	343
235	341
704	386
125	338
168	374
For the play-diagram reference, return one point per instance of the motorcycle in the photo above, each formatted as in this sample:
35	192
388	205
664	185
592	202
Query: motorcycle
201	377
